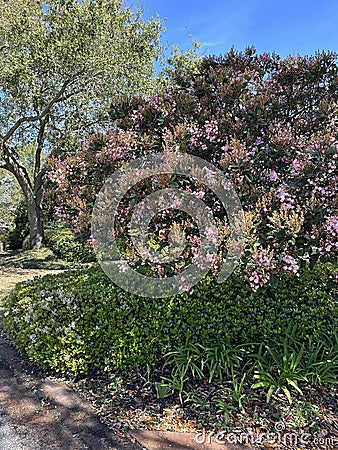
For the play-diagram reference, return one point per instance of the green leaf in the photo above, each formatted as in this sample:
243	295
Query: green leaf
287	393
269	394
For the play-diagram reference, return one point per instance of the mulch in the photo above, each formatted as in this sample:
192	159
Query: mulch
129	403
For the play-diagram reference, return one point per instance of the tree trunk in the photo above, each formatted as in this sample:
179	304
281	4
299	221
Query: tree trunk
36	228
34	207
33	194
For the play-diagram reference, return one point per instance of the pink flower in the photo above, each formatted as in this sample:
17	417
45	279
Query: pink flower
291	264
273	175
200	194
211	130
296	166
263	265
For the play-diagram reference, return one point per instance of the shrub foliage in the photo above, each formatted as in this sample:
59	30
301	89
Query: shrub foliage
79	321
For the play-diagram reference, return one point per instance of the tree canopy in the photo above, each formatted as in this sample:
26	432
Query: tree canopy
62	63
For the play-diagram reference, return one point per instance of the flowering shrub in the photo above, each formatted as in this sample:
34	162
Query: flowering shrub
269	124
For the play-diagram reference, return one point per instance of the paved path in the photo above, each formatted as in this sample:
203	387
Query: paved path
42	413
13	437
170	440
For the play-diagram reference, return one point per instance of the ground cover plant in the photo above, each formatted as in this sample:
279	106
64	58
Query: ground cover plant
18	266
104	327
219	352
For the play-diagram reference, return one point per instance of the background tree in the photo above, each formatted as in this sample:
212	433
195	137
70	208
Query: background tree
10	194
62	62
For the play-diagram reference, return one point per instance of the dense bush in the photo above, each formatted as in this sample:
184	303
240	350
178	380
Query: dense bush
16	236
63	243
26	244
268	123
79	321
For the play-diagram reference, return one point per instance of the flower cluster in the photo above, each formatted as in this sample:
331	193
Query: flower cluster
330	244
263	265
290	264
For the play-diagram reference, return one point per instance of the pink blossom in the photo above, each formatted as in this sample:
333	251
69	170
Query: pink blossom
296	166
200	194
273	175
291	264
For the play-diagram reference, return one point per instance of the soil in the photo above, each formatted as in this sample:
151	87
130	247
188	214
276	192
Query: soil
52	415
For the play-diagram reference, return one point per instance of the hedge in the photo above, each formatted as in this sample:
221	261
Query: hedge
79	321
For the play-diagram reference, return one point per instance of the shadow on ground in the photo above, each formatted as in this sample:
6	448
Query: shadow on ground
51	413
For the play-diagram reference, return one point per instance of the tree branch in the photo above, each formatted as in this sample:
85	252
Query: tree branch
3	165
13	164
42	114
40	140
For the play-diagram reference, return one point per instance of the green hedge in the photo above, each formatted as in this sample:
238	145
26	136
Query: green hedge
61	241
80	321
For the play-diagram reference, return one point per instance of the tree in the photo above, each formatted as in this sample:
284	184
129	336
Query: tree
10	194
62	62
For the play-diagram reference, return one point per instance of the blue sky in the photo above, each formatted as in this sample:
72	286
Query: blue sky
286	27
